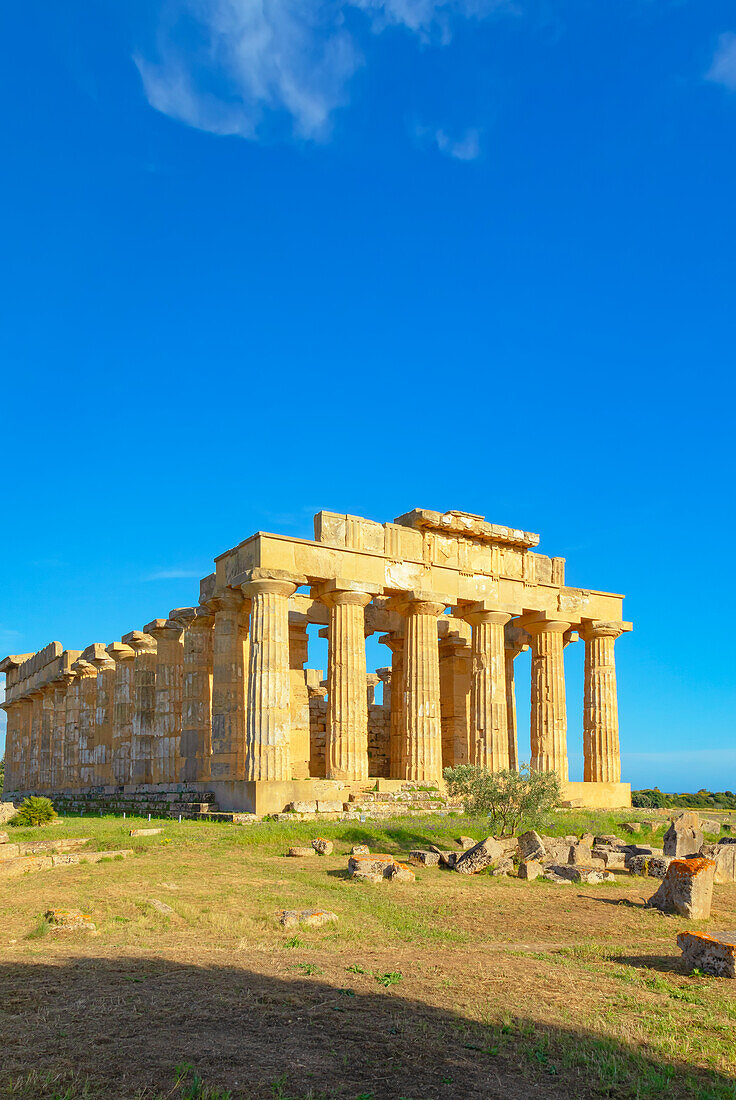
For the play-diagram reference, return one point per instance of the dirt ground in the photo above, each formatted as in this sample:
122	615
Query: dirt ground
447	988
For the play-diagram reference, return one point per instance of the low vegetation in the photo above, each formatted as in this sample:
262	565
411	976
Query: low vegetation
652	798
447	988
511	800
34	811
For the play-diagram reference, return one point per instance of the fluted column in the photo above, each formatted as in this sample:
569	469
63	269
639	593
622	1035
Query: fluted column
395	643
144	705
34	746
601	751
549	713
488	723
196	721
512	650
57	778
12	747
122	711
47	737
421	755
71	730
230	643
102	774
168	699
87	674
267	748
346	748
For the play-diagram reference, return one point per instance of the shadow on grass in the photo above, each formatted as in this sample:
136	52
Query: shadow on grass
626	903
666	964
119	1027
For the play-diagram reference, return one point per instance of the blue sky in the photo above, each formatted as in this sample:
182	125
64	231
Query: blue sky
265	258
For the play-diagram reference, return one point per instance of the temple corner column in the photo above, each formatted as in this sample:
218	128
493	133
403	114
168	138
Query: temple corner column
601	746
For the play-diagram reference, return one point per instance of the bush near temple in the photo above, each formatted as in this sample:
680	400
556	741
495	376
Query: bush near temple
512	800
34	811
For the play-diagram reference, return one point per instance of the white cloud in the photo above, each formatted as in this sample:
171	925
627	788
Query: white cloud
723	67
463	147
225	66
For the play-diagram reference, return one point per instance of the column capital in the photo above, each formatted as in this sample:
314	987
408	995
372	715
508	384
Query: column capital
183	616
95	652
83	667
167	630
484	612
140	642
202	620
278	582
118	651
422	602
540	625
341	591
395	642
599	628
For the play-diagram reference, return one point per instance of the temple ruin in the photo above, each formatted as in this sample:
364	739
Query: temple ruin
217	698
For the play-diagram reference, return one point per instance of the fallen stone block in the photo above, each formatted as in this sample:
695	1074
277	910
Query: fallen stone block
684	836
304	807
709	826
630	826
578	873
23	865
714	955
312	918
479	857
686	889
606	840
145	832
7	812
580	853
504	866
373	878
610	858
297	852
653	866
530	869
400	872
9	851
724	857
162	908
69	920
375	864
322	846
4	838
531	846
465	842
424	857
89	857
551	875
360	850
449	859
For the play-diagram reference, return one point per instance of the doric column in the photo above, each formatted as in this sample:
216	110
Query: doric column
71	729
230	643
196	715
513	647
47	737
122	711
346	749
602	756
395	643
455	690
144	705
104	666
168	701
421	756
34	745
299	737
488	724
12	748
267	748
57	779
87	676
549	714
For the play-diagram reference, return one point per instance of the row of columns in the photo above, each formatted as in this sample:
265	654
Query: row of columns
205	695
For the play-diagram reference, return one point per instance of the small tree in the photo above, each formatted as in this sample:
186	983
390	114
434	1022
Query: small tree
34	811
510	799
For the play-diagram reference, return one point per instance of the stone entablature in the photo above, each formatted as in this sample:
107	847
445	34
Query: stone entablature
221	692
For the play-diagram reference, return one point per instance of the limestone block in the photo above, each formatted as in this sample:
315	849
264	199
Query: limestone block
373	878
9	851
588	875
4	838
298	853
687	889
724	857
376	864
69	920
579	854
531	846
710	954
479	857
89	857
530	869
465	842
449	859
322	846
424	858
606	840
684	836
312	918
613	860
399	872
329	806
630	826
360	850
145	832
303	807
653	866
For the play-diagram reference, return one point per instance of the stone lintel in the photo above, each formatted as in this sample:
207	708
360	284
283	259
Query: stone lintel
139	640
207	588
120	652
158	628
468	525
95	652
183	616
15	660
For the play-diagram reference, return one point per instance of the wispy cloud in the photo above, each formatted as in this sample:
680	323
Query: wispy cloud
174	574
465	146
723	67
227	66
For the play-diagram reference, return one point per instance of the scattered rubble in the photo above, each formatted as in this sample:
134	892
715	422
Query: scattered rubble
322	846
312	918
684	836
465	842
145	832
530	869
424	857
360	850
711	954
69	920
480	856
298	853
653	866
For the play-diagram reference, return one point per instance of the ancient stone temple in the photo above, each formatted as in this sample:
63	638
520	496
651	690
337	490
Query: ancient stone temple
217	697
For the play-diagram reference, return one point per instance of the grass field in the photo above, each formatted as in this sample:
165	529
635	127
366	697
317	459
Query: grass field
451	987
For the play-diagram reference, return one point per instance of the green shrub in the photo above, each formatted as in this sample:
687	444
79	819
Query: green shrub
34	811
510	799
